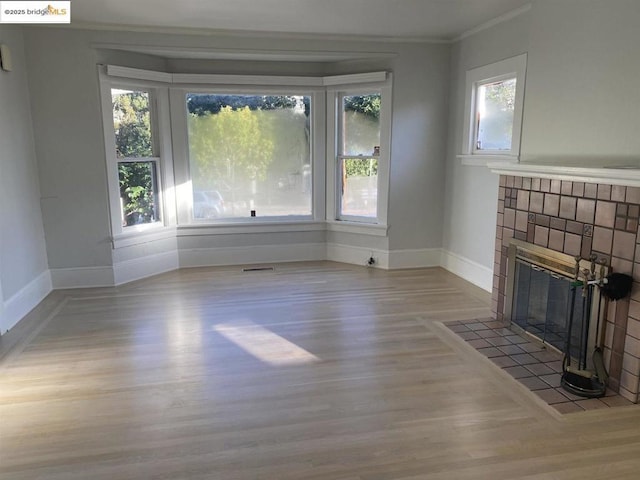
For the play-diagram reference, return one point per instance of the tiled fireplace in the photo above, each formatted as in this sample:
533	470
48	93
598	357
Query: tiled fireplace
579	218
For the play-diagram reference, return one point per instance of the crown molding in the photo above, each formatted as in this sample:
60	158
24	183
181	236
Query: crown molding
204	53
257	34
492	23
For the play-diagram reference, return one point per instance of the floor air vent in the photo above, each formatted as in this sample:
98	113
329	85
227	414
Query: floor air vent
258	269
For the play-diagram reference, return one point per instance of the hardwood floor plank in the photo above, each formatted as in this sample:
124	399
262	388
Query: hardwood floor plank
313	371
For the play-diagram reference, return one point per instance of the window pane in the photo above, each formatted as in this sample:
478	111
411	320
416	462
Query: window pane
132	123
138	192
360	124
360	187
495	107
249	153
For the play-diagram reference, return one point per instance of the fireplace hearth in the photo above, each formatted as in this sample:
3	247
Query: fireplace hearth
569	218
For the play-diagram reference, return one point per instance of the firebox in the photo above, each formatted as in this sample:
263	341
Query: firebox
540	298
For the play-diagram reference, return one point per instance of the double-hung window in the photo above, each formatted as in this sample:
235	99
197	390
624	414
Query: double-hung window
358	154
361	121
493	110
134	160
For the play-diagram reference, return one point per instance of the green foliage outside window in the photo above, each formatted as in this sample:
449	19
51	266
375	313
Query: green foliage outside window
361	167
132	125
229	145
366	104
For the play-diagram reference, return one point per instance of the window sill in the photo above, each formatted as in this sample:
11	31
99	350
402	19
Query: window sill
249	227
479	160
151	233
161	233
343	226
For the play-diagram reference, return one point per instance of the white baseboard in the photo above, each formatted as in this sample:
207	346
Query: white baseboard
468	269
415	258
337	252
146	266
201	257
16	307
388	260
82	277
209	257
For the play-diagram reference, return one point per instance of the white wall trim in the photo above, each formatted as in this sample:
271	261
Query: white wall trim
337	252
355	78
138	74
628	175
224	79
143	267
221	79
496	21
25	300
245	227
415	258
82	277
468	270
343	226
475	160
261	34
130	270
208	257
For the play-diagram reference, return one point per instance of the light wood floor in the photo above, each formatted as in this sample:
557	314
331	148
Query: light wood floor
316	371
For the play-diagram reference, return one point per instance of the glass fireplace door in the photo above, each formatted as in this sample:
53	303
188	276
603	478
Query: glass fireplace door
541	305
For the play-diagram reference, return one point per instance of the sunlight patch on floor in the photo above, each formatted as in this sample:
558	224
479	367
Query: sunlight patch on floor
264	344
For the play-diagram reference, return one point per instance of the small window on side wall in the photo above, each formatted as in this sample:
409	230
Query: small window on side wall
493	110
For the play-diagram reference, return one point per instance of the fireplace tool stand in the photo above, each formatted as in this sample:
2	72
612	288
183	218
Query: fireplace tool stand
581	381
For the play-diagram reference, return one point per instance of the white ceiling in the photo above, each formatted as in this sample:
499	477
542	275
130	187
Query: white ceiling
411	19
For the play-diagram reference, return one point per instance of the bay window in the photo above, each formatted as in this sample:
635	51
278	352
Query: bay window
217	153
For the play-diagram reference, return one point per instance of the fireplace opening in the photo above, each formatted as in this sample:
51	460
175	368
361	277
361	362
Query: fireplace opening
540	299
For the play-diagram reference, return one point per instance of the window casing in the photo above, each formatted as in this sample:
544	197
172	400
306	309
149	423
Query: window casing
362	137
493	110
134	166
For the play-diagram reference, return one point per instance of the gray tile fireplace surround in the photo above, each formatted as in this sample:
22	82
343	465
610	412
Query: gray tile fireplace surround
578	218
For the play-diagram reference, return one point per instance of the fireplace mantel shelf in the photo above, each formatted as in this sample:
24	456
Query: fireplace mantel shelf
623	174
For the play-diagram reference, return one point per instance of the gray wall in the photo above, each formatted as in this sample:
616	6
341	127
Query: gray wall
582	84
472	191
22	245
70	146
581	100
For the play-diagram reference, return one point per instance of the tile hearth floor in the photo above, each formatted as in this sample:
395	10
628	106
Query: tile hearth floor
534	366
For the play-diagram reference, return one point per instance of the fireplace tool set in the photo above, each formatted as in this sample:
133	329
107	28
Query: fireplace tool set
580	380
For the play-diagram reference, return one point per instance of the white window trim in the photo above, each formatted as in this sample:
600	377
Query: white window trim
354	223
169	90
120	235
509	68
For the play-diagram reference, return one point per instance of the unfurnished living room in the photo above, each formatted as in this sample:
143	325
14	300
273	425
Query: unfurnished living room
332	240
